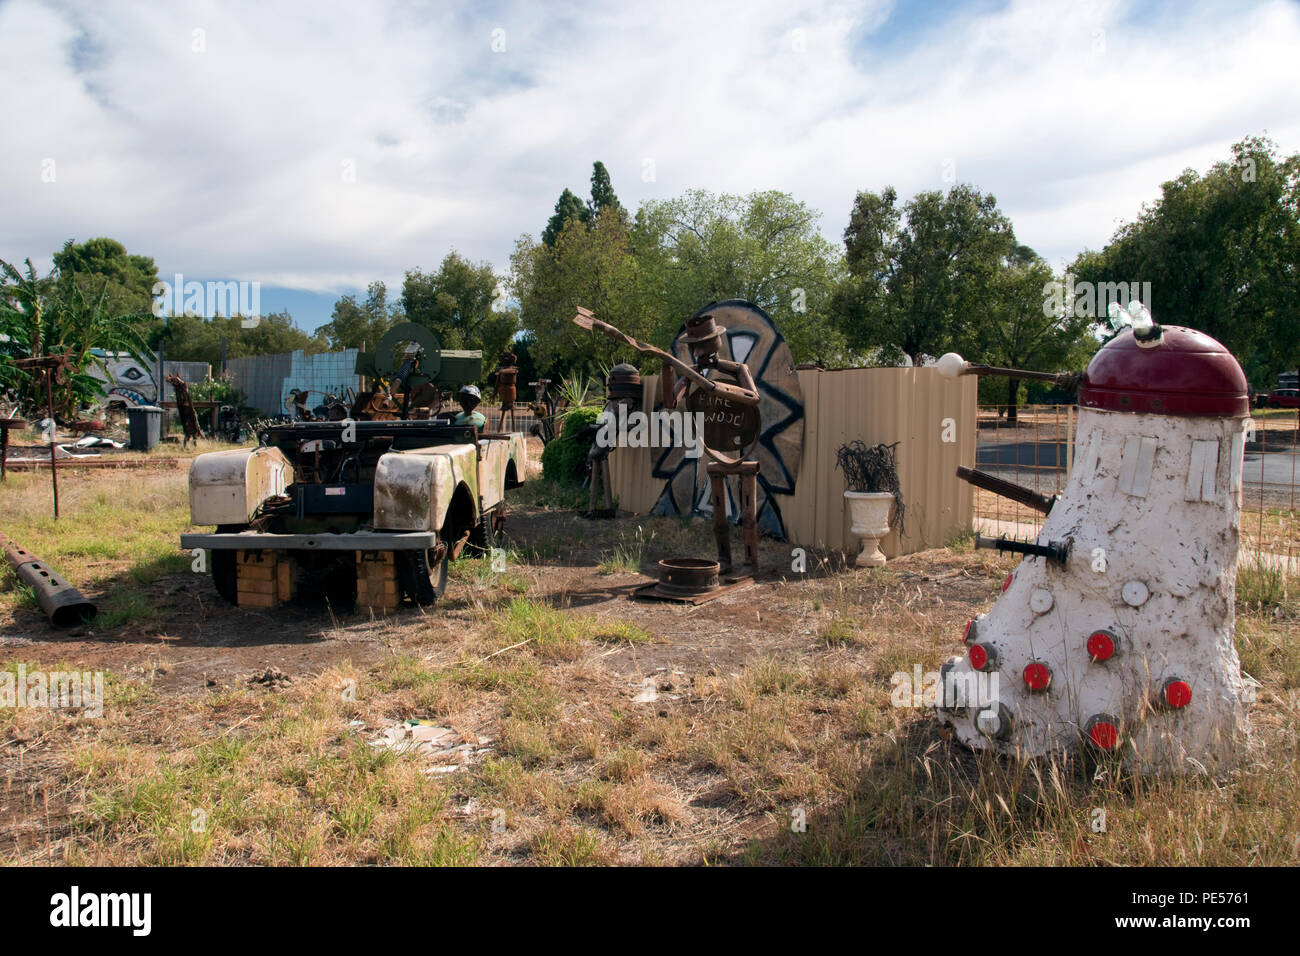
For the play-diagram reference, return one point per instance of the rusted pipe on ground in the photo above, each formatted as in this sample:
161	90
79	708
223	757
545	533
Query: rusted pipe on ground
63	604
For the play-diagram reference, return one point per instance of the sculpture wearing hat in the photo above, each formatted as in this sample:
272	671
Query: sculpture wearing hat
729	411
731	427
623	387
469	398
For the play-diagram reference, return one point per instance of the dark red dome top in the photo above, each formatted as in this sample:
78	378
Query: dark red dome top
1188	373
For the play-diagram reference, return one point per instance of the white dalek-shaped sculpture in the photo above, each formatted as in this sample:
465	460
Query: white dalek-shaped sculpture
1115	633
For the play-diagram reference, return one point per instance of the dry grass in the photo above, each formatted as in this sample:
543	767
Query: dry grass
116	531
792	754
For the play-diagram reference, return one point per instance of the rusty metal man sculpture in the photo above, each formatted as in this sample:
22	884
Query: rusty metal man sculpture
623	387
507	390
731	423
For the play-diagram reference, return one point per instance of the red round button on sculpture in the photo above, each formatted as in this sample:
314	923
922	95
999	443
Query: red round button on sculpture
1187	373
1103	731
1101	645
983	657
1177	693
1037	675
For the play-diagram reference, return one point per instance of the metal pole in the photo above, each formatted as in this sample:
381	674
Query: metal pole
1069	441
49	402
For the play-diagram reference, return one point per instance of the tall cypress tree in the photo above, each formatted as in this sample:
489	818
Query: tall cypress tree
567	207
602	192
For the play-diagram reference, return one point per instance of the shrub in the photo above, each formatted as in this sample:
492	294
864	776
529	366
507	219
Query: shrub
564	460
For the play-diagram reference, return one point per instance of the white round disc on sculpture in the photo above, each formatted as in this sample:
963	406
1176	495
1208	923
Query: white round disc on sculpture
951	365
1040	601
1135	593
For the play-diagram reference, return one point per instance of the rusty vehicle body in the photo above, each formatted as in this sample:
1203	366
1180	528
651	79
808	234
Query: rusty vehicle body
322	508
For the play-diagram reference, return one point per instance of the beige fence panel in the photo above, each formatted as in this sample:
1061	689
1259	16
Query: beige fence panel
911	406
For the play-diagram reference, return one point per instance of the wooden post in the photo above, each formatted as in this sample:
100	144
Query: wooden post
721	533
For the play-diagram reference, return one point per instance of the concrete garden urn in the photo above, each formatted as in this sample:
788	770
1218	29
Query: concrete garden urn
869	512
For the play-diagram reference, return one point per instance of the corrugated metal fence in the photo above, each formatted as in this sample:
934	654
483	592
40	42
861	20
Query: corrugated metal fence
261	379
1038	452
933	418
266	380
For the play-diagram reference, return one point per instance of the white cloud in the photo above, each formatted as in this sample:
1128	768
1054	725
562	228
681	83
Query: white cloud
229	162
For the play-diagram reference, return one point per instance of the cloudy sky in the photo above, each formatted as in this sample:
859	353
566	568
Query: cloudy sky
317	146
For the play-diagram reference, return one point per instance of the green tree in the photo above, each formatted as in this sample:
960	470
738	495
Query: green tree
568	208
49	316
765	247
918	276
1222	254
592	267
1017	330
275	333
454	303
602	194
189	338
103	266
354	325
495	333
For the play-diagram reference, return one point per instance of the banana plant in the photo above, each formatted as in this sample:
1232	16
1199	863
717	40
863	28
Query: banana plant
54	316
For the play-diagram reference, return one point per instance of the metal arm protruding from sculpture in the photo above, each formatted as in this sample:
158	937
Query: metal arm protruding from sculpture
952	365
745	392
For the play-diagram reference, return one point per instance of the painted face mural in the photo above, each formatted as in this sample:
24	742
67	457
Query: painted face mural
128	382
751	338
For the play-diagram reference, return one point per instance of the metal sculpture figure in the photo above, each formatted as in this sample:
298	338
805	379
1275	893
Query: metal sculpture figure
507	391
731	421
543	408
623	387
753	338
185	405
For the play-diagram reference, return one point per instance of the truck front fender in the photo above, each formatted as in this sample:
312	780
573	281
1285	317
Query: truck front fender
227	487
414	489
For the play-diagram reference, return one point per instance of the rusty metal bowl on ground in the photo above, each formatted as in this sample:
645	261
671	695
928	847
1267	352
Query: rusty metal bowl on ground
688	577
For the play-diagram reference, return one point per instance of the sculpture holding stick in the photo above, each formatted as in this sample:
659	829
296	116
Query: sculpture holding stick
731	423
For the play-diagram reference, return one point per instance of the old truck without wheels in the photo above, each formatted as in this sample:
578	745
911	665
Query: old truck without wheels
363	512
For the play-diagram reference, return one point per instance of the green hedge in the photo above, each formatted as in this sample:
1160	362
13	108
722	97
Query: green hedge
564	460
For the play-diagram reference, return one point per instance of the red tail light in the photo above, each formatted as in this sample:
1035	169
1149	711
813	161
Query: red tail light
1176	693
1037	675
1103	731
1102	645
983	657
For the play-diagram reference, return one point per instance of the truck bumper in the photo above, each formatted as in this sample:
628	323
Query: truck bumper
355	541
